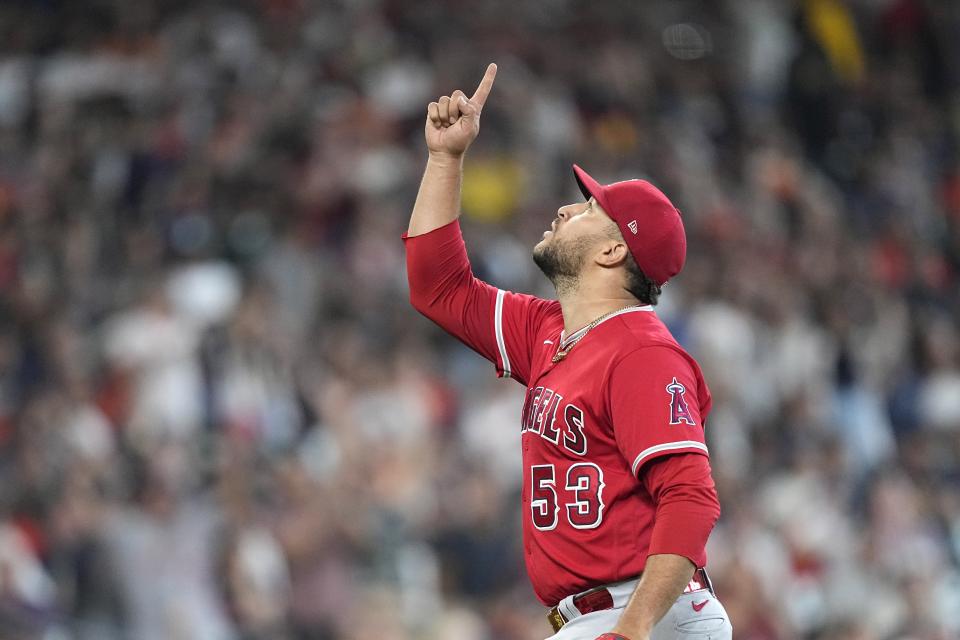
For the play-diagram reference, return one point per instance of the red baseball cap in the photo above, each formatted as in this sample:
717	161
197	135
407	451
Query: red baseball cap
649	222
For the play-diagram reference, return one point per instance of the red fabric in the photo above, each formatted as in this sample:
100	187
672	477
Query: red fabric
655	397
444	289
687	506
587	421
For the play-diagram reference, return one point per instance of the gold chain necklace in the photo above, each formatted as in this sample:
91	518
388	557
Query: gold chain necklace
562	353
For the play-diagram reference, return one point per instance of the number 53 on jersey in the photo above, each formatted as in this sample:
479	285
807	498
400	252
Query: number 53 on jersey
580	496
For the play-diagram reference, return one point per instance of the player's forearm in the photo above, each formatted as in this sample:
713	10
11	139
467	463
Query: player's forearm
663	580
438	200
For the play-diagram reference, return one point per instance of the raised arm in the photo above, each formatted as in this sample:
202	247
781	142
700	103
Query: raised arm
499	325
453	122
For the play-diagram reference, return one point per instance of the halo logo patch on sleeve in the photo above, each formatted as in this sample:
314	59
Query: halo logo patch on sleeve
679	411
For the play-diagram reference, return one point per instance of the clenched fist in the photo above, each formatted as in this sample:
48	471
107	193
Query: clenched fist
454	121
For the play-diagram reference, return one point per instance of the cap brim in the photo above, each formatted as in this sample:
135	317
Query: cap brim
588	186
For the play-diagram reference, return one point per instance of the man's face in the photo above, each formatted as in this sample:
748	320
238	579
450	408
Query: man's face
572	236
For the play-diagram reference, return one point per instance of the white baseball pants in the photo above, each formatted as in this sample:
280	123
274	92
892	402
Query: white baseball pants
697	615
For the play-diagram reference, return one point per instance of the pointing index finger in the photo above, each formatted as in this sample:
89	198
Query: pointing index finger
483	90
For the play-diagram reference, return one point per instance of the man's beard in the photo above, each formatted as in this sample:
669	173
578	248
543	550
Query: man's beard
562	262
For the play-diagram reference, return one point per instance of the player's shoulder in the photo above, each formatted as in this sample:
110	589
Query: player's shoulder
531	303
541	311
642	327
531	314
645	348
644	335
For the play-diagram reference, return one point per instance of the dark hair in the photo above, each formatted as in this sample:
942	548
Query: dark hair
639	285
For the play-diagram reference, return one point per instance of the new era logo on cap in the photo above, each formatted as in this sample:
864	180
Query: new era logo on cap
656	240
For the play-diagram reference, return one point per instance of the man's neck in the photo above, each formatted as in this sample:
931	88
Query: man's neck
581	307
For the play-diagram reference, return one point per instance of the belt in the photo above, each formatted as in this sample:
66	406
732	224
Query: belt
600	599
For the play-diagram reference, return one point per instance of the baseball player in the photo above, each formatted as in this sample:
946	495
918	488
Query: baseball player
618	499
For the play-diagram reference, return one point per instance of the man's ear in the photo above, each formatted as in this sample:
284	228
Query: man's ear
612	253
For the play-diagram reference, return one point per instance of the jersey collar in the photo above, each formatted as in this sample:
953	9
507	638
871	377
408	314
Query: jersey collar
564	341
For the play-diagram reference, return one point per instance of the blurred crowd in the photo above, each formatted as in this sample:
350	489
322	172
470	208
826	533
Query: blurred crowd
220	418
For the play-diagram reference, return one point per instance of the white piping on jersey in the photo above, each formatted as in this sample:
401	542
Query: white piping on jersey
498	330
667	446
582	330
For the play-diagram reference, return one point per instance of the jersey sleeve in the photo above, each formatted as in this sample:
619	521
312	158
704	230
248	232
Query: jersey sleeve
685	496
499	325
657	401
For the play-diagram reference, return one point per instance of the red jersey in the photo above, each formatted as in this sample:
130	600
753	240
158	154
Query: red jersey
594	423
